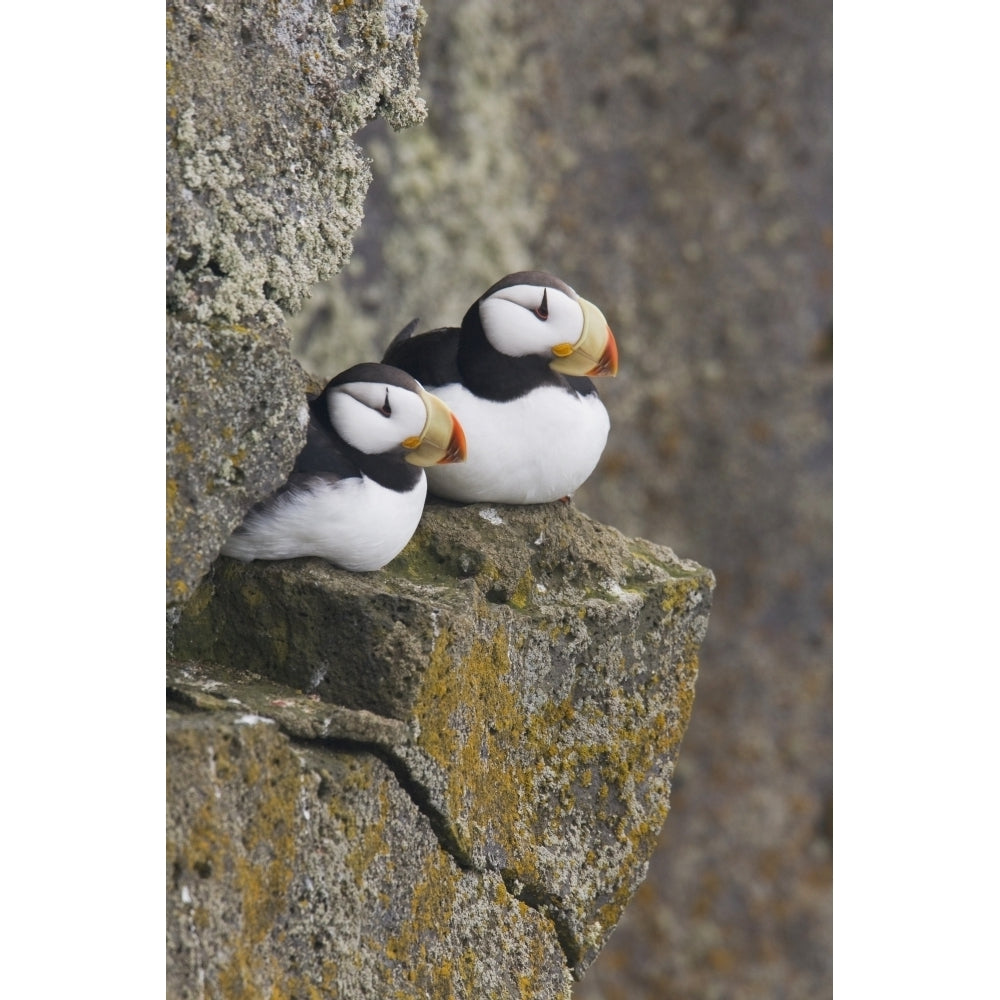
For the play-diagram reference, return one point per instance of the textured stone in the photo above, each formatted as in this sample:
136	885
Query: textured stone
543	664
236	418
265	186
265	189
311	873
444	779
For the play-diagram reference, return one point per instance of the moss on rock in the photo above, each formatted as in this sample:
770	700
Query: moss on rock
310	873
543	668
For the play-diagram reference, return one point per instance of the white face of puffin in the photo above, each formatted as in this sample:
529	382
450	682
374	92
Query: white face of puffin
376	417
534	319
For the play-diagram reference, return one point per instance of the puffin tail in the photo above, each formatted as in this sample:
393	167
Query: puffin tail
408	331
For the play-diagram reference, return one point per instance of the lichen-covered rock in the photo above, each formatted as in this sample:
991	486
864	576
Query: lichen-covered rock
265	186
444	779
265	189
543	665
233	430
312	873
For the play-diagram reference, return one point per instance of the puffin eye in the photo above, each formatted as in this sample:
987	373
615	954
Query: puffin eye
386	409
542	312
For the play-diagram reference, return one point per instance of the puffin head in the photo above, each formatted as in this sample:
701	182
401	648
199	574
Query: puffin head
533	312
379	409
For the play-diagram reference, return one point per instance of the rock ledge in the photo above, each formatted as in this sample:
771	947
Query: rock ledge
524	674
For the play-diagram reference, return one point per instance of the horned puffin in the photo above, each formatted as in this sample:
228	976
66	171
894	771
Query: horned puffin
517	375
357	490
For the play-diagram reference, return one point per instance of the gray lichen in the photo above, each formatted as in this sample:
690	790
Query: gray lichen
265	184
265	190
542	667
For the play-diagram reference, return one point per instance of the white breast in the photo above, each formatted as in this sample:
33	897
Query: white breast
355	524
535	449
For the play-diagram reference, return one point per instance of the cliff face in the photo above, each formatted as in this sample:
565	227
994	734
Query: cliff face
311	872
265	189
442	779
520	677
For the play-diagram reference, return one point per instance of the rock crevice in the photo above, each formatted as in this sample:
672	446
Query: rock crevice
536	732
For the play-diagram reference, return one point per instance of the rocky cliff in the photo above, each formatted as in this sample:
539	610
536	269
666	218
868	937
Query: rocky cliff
445	778
265	189
471	750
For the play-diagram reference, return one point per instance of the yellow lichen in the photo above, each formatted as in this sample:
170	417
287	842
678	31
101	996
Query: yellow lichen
524	591
369	843
431	908
258	865
470	719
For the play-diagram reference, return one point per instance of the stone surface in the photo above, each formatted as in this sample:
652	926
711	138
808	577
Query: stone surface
265	189
236	418
543	666
265	186
311	873
441	780
672	161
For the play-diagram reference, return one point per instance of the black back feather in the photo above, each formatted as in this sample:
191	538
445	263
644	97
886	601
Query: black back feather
431	357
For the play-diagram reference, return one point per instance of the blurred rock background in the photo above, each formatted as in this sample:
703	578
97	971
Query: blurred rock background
672	162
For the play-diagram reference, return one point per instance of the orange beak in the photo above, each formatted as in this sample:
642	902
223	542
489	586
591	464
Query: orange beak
442	440
607	364
455	452
595	353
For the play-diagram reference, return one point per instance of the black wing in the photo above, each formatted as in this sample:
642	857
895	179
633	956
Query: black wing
431	358
408	331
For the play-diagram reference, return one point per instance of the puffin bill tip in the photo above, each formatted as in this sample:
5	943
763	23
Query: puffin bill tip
608	362
456	450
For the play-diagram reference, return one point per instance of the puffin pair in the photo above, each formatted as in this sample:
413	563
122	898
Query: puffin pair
508	415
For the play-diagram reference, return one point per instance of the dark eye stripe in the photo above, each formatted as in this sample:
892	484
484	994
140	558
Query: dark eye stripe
542	312
386	410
